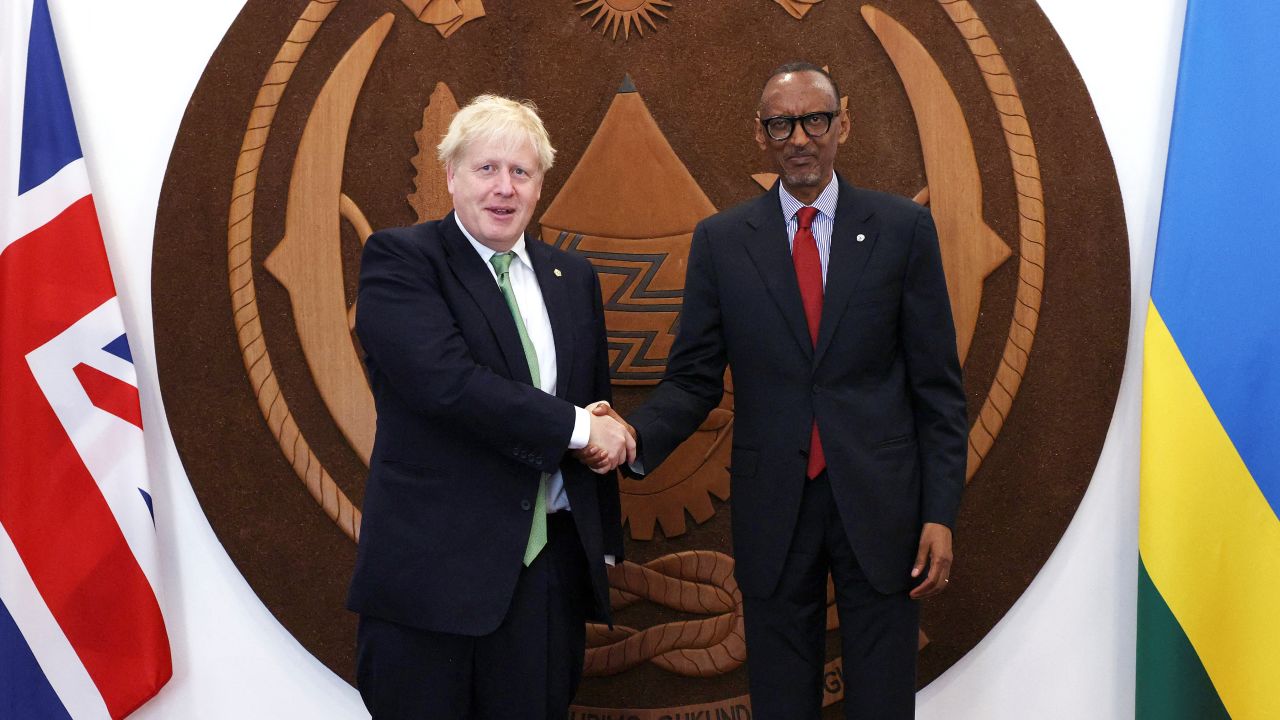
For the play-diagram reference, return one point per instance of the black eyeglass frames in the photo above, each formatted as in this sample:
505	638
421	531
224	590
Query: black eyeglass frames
815	124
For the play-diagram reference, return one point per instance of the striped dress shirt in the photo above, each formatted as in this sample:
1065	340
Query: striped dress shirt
823	222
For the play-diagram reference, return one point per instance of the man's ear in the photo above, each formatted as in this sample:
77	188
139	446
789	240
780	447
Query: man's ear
448	176
845	125
761	140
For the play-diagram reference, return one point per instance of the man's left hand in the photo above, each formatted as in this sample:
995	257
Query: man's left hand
934	553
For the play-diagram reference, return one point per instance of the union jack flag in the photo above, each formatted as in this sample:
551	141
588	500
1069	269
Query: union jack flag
81	630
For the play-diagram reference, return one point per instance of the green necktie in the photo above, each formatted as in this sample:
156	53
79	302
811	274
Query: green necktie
538	533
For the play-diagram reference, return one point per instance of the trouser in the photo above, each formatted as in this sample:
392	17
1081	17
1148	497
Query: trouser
528	668
786	632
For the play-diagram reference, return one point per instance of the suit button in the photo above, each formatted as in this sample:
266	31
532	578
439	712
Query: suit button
525	505
817	389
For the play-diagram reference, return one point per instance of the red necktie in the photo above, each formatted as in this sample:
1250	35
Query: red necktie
804	253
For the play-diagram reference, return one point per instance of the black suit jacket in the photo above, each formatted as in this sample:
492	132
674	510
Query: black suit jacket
883	383
463	436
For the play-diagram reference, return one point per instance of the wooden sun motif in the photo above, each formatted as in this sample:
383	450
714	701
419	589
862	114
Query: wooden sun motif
626	14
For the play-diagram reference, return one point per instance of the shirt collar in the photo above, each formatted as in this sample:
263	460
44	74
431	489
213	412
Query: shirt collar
486	252
826	202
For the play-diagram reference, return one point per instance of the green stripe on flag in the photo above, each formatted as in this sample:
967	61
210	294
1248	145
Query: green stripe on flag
1172	683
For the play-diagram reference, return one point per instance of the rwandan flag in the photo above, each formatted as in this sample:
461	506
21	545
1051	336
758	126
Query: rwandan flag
1209	537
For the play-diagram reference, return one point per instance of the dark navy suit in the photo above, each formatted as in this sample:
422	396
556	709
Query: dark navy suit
462	440
883	383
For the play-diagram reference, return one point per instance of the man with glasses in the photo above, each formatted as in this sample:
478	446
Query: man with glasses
829	304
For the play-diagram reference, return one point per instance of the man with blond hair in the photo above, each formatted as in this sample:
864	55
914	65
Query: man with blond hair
484	541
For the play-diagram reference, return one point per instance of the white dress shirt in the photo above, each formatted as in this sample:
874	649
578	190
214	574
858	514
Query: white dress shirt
524	283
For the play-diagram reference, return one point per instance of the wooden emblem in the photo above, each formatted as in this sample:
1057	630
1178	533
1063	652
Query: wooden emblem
340	138
430	198
446	16
797	8
630	207
610	15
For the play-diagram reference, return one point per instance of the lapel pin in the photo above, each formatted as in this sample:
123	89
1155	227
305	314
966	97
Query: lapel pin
861	237
557	272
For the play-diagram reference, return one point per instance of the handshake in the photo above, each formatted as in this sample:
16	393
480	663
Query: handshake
611	443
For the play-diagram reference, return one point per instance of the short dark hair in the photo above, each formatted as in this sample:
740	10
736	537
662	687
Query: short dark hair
801	66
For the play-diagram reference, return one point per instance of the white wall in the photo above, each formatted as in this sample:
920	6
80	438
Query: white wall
1065	650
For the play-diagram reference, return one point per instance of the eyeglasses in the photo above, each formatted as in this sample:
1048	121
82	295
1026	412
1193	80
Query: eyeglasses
815	124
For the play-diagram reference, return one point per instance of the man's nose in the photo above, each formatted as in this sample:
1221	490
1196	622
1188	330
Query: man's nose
798	136
505	186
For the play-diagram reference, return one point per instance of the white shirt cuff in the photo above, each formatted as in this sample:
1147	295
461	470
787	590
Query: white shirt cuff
610	560
581	428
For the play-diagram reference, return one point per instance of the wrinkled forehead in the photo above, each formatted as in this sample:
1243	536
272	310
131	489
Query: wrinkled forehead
503	144
796	93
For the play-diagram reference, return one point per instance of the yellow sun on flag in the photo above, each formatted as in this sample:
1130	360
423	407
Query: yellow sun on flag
625	14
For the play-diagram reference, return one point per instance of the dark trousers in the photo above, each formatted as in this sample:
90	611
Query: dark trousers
528	668
786	633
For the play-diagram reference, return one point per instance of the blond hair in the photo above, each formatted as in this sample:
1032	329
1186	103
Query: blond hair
493	117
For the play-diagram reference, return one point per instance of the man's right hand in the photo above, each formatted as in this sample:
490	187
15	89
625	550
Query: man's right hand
599	454
611	442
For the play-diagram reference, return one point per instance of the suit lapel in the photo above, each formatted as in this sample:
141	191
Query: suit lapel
478	280
849	255
556	297
768	249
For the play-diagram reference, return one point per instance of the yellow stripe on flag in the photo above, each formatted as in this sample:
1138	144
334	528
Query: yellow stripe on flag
1208	537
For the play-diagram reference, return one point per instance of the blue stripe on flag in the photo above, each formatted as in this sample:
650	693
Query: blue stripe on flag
146	498
1217	274
24	692
120	348
49	141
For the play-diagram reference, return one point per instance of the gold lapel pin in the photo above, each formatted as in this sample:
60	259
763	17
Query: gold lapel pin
557	272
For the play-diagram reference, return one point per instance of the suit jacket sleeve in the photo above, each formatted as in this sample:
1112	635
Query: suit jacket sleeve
694	381
933	371
413	343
